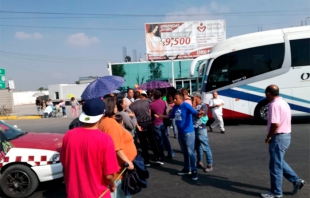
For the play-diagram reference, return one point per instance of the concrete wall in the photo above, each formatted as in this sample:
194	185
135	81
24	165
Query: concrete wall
25	97
6	98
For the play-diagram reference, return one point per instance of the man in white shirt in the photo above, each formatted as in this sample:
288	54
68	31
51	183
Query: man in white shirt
129	98
215	104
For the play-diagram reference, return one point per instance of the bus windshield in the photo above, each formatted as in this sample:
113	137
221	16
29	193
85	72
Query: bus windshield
240	65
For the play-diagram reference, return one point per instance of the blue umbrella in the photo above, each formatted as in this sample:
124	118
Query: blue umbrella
102	86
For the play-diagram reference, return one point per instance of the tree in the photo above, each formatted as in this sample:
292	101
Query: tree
138	79
155	70
41	89
118	70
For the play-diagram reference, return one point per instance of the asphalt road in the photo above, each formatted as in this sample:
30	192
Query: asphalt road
240	164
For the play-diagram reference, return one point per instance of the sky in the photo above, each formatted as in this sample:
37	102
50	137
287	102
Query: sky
56	42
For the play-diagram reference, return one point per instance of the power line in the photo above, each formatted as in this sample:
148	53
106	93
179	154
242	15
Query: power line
24	68
107	29
46	60
52	57
152	15
74	28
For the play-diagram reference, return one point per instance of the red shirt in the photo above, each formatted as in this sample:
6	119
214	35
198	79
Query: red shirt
87	155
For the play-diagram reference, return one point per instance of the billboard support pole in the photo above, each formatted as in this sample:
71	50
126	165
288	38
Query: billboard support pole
172	67
172	74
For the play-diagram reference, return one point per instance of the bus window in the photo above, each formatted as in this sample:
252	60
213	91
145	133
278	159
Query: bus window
240	65
300	52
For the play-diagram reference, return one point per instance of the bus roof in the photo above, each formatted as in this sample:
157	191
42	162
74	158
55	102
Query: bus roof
249	40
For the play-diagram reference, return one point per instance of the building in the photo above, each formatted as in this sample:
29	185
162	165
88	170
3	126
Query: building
136	73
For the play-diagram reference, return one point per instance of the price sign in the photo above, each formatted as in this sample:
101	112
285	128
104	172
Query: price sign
186	39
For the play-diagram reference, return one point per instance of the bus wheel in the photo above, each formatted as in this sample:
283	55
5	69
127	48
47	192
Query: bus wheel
261	111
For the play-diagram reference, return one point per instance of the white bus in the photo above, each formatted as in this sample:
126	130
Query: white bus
240	68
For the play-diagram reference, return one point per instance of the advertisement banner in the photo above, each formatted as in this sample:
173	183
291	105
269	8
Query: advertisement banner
186	39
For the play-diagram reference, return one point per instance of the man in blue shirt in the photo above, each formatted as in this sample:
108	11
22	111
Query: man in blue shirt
183	114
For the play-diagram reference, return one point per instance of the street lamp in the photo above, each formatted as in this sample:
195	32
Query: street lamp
306	21
172	67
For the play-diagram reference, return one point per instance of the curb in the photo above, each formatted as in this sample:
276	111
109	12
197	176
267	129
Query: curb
19	117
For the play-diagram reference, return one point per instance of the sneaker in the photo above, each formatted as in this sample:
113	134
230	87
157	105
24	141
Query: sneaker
175	136
184	172
159	162
222	132
270	195
194	175
209	168
199	165
210	129
298	185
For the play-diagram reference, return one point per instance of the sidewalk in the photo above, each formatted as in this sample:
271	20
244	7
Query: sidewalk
29	112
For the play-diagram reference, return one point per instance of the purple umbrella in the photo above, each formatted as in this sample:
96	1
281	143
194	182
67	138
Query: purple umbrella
102	86
154	85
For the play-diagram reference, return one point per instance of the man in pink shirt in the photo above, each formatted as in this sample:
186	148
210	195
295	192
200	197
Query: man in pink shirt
279	138
88	155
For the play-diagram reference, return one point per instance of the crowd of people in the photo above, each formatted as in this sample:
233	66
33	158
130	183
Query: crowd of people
49	109
114	128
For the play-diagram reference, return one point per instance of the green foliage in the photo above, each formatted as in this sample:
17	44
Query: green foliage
118	70
155	70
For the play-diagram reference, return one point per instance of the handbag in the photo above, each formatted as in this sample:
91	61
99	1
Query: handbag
135	180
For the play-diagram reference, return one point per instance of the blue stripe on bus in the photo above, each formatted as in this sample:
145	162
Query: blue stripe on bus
254	98
251	88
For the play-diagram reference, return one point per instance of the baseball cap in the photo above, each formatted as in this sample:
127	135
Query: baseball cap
143	92
93	110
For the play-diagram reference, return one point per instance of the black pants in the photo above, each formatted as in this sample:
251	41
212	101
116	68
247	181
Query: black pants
147	136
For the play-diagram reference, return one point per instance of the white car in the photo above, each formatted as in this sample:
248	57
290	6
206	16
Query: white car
27	158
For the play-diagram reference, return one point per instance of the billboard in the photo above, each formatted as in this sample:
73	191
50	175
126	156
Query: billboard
187	39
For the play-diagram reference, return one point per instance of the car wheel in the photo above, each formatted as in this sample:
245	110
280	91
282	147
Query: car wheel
18	181
261	111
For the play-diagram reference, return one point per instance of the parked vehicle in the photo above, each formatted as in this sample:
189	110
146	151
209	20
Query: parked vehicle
240	68
29	159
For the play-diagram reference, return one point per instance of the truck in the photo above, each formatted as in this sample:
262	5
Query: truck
59	92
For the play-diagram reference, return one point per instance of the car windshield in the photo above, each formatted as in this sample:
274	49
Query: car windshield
9	131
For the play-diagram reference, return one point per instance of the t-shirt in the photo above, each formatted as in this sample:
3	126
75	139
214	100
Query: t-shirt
279	112
216	110
74	103
121	137
87	155
201	122
129	101
129	122
158	107
141	109
183	117
188	100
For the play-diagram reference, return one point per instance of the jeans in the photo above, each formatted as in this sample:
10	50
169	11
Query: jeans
277	166
119	193
187	144
64	111
162	140
147	136
202	145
